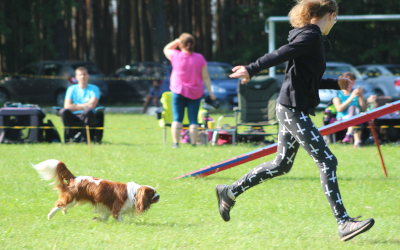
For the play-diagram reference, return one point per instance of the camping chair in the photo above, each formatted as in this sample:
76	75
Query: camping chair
166	116
96	135
257	104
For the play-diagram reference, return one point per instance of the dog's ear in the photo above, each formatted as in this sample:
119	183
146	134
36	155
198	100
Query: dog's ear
143	199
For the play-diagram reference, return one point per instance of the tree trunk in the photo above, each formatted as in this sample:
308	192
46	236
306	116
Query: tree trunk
135	32
206	29
108	33
145	38
123	35
158	29
95	32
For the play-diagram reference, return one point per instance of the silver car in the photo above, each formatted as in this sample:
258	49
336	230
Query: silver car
384	78
336	69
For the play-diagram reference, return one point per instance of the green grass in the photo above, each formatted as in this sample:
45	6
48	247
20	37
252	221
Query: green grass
287	212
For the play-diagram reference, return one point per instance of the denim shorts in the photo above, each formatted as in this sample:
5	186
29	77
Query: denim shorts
179	102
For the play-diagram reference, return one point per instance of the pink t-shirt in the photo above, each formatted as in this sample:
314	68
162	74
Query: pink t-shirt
186	74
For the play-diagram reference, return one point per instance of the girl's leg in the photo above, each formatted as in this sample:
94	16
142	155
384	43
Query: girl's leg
301	131
178	111
193	112
282	164
309	137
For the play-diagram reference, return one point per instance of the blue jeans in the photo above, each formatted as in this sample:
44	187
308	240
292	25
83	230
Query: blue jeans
179	102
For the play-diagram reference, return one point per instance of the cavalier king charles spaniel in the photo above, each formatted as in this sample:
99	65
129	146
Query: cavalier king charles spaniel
107	197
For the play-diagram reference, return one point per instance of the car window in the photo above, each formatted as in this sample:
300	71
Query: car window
125	73
394	69
372	72
280	69
361	69
30	70
336	71
51	69
142	70
159	71
92	69
219	72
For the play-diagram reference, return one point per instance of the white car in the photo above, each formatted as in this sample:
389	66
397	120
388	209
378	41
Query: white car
384	78
336	69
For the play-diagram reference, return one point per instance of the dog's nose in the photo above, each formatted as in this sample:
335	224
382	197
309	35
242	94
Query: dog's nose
156	198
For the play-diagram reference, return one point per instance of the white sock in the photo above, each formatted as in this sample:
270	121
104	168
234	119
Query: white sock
230	195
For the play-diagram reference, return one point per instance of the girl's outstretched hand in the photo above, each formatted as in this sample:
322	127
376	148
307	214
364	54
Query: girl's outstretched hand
240	71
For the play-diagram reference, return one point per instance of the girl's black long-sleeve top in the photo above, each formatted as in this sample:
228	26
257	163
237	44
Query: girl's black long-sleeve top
306	64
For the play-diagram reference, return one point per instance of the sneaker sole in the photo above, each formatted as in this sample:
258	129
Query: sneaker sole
219	202
359	231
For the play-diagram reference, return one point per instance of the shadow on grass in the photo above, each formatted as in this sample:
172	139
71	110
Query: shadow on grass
169	224
138	221
293	178
128	144
389	241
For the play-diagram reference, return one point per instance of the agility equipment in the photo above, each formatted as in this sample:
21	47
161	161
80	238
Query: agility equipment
326	130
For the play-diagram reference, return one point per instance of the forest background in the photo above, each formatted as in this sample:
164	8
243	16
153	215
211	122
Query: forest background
113	33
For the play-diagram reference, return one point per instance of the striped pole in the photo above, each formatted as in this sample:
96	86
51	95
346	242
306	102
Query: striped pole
326	130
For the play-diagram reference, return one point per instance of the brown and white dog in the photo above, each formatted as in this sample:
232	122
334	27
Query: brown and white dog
108	197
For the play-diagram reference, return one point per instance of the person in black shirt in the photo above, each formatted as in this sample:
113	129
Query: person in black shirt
306	63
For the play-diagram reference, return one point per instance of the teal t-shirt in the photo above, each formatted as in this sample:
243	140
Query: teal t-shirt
80	96
344	98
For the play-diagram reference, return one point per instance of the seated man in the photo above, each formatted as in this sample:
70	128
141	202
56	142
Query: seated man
80	101
153	96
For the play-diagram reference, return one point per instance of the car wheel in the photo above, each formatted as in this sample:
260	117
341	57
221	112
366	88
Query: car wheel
3	96
60	97
379	92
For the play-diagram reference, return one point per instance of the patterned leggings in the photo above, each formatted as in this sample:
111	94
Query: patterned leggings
296	128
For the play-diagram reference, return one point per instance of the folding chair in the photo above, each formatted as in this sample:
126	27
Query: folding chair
257	104
96	135
166	117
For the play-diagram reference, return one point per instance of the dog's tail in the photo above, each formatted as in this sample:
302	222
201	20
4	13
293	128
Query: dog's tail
51	169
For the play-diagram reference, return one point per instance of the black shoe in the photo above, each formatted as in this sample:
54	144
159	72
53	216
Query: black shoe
77	138
351	228
175	145
225	203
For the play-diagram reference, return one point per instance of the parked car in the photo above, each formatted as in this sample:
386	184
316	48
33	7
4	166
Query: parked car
223	87
133	81
336	69
384	78
47	81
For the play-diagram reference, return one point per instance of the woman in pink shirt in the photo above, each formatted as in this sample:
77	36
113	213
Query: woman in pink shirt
189	71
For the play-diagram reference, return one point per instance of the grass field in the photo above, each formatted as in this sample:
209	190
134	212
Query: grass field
287	212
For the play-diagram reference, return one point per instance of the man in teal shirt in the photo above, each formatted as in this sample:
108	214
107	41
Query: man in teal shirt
80	101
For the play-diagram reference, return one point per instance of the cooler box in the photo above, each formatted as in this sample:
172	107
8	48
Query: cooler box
21	116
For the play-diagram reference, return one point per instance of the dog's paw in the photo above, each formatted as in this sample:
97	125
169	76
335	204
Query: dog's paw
64	211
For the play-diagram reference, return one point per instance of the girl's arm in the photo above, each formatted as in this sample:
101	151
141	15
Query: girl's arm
169	47
340	107
207	82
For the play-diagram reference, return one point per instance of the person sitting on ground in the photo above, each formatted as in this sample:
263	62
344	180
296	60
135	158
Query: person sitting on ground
153	96
80	101
349	104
